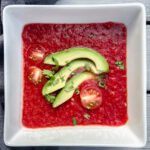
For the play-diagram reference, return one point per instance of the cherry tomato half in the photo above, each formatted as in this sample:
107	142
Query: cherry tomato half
91	97
37	56
36	53
35	75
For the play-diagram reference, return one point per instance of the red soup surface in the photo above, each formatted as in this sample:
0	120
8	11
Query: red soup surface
108	39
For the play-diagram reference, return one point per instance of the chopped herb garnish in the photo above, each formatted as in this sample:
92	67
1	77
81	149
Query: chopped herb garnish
88	107
70	88
56	81
73	73
87	116
62	78
77	91
50	98
48	74
51	80
74	121
91	35
120	64
121	67
56	63
100	77
87	67
102	84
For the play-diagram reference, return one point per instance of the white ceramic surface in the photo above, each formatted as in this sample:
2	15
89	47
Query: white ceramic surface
133	134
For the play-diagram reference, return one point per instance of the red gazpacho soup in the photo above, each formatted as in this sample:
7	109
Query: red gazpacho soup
74	74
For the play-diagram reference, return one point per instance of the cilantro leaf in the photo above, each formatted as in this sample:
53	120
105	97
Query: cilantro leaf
121	67
73	73
55	81
87	116
91	35
50	98
77	91
88	107
51	80
102	76
74	121
102	84
62	78
120	64
56	63
48	74
70	88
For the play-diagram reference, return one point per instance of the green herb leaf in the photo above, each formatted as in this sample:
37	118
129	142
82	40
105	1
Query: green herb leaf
87	116
70	88
62	78
56	63
100	77
91	35
50	98
73	73
51	80
102	84
48	74
120	64
74	121
87	67
88	107
77	91
121	67
56	81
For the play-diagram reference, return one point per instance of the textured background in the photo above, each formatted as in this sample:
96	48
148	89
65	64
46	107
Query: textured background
4	3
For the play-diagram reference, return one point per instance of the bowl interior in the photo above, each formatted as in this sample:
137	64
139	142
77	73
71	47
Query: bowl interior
133	133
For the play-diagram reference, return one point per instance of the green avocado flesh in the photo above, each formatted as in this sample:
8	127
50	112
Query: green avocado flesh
61	77
66	56
67	92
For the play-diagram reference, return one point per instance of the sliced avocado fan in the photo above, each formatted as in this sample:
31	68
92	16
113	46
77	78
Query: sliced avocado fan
59	79
66	56
67	92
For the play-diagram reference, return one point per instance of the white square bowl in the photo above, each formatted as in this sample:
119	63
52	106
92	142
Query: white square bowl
133	134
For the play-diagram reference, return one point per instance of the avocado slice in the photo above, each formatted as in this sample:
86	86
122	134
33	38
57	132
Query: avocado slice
67	92
60	78
66	56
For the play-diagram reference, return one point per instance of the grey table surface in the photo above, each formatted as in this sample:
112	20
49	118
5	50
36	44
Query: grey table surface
4	3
